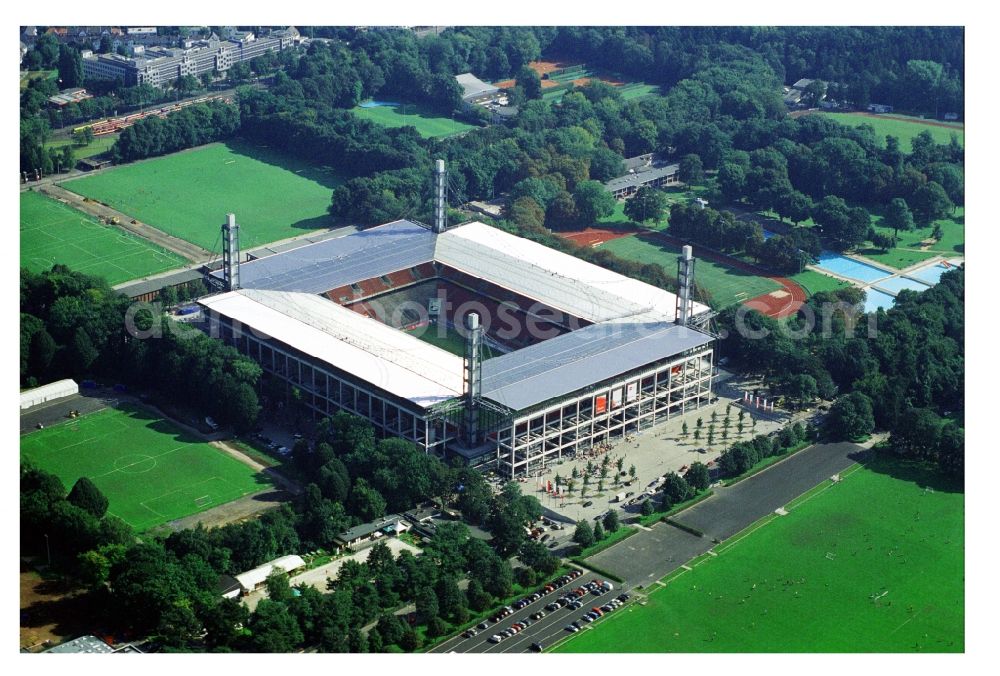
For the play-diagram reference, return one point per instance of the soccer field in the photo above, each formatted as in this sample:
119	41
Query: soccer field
874	563
726	285
188	194
903	129
451	340
53	232
428	123
150	470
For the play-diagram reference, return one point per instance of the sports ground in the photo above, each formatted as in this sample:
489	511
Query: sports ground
52	232
151	471
873	563
188	194
903	128
726	285
428	123
910	248
100	144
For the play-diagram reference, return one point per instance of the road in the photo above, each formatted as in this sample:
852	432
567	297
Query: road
544	631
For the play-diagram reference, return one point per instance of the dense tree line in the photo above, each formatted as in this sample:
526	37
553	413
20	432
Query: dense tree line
910	366
192	126
75	326
742	456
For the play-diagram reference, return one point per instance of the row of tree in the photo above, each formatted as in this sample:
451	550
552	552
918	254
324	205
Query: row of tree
76	326
192	126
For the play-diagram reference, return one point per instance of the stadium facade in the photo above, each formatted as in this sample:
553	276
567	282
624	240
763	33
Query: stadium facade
567	355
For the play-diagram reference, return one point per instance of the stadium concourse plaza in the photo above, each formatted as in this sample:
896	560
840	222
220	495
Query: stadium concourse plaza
569	357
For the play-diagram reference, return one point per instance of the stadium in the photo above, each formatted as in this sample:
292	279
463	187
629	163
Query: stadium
467	340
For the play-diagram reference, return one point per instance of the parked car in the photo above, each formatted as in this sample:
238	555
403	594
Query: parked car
537	647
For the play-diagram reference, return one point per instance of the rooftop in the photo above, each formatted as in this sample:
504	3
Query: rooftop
641	177
84	644
366	529
258	575
574	360
472	86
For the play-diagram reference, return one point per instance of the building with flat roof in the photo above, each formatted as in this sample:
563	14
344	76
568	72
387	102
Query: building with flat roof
158	66
643	170
567	355
84	644
252	579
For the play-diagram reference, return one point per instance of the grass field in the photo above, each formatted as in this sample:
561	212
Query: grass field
150	470
726	285
427	122
909	251
871	564
814	282
52	232
28	76
99	145
188	194
903	129
452	341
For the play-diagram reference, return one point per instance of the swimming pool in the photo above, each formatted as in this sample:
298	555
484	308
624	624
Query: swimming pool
848	267
875	299
931	274
896	284
378	104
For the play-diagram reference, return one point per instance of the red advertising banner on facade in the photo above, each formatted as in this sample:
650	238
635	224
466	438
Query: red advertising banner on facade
601	403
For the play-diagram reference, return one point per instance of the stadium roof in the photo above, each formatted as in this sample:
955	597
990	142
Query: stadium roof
575	360
393	360
319	267
557	279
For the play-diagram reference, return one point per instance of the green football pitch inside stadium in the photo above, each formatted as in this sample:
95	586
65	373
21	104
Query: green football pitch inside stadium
188	194
449	339
873	563
53	232
428	123
902	128
150	470
727	286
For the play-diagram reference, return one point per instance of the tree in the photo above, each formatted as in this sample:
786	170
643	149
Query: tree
801	388
794	206
426	602
527	213
850	417
611	521
647	508
528	80
648	204
684	429
930	203
883	241
584	535
675	489
593	202
691	170
479	599
698	476
41	353
70	67
598	532
898	216
88	496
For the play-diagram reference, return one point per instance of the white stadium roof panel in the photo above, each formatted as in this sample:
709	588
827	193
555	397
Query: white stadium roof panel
557	279
390	359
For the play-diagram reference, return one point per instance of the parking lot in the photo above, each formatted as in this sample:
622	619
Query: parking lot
543	631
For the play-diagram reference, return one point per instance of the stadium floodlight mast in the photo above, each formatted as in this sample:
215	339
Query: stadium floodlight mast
440	202
685	284
231	252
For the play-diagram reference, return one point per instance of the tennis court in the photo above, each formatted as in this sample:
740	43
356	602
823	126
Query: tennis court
53	232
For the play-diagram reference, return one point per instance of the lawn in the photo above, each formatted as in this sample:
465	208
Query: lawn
873	563
151	471
903	129
815	282
188	194
52	232
99	145
428	123
727	286
452	340
909	250
28	76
